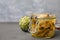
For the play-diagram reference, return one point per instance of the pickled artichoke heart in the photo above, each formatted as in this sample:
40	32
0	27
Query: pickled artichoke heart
24	23
44	26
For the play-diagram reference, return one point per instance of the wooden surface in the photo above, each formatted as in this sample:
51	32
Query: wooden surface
11	31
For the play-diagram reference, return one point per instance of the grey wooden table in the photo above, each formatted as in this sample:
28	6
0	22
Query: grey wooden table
11	31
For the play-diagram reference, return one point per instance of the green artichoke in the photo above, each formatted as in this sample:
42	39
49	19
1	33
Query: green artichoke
24	23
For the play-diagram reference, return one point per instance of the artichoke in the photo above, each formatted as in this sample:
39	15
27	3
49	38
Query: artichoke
24	23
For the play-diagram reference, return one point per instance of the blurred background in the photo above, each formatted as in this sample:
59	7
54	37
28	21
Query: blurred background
12	10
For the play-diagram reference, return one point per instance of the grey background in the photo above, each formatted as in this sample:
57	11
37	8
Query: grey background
12	10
